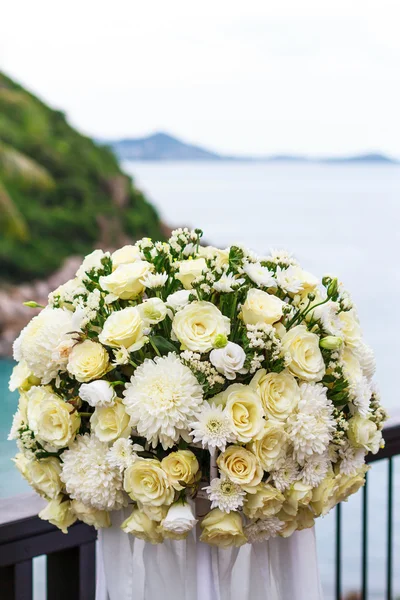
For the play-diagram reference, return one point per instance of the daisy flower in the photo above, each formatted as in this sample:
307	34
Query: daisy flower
225	495
213	428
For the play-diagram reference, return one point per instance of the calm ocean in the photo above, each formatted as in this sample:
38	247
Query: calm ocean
339	219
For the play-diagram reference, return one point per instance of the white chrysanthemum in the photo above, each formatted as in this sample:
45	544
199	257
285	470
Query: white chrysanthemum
259	274
286	473
310	427
89	477
314	470
281	257
227	283
329	317
154	281
162	399
213	428
38	341
360	392
225	495
263	529
366	357
121	454
288	279
352	459
17	424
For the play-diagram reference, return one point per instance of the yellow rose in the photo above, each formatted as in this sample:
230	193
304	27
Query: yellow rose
197	325
349	484
222	529
261	307
125	255
124	328
351	329
91	516
50	418
44	476
139	525
58	512
303	346
88	360
243	405
241	466
265	502
146	482
323	496
189	270
364	433
299	494
271	446
110	422
279	393
126	281
180	466
302	520
154	513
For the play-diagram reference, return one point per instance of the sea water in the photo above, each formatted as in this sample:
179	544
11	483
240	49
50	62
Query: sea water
336	219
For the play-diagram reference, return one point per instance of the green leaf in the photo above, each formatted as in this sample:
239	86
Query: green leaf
163	345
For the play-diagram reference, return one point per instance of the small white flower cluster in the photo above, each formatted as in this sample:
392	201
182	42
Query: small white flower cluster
164	355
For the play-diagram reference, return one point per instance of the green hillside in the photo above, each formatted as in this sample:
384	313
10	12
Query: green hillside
60	193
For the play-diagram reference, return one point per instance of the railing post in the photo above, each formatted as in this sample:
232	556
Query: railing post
364	566
338	574
16	581
389	559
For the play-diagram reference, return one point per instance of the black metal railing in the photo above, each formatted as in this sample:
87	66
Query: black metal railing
391	449
71	560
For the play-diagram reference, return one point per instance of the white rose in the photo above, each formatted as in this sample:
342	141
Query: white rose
229	360
189	270
279	393
125	255
152	311
110	422
179	520
197	325
88	360
125	282
351	329
303	346
261	307
179	299
364	433
98	393
124	328
91	261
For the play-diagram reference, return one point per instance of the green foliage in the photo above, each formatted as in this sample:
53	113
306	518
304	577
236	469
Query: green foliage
60	193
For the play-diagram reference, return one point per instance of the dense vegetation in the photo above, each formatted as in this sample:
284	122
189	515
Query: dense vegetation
60	193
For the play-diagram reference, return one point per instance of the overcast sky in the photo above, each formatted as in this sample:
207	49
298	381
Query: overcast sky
254	76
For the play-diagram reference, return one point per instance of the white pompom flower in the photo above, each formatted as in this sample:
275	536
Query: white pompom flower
89	477
213	428
225	495
162	399
263	529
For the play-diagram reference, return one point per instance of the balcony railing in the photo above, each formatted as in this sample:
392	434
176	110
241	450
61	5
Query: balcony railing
71	559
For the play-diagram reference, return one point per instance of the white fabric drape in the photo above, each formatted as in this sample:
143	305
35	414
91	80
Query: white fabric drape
279	569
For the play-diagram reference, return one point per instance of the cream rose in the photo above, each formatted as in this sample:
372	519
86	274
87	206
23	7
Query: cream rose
302	520
22	378
221	257
125	256
125	282
110	422
323	496
124	328
244	406
197	325
189	270
279	393
44	476
271	446
364	433
139	525
303	346
152	311
299	494
266	501
241	466
351	329
58	512
222	529
179	521
145	481
349	484
261	307
91	516
180	466
88	360
155	513
50	418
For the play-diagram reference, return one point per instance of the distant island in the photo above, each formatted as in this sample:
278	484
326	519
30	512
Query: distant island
162	146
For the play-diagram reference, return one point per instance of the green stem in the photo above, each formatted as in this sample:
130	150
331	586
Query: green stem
85	414
156	350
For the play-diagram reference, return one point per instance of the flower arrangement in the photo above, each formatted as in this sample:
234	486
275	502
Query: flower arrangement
169	369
